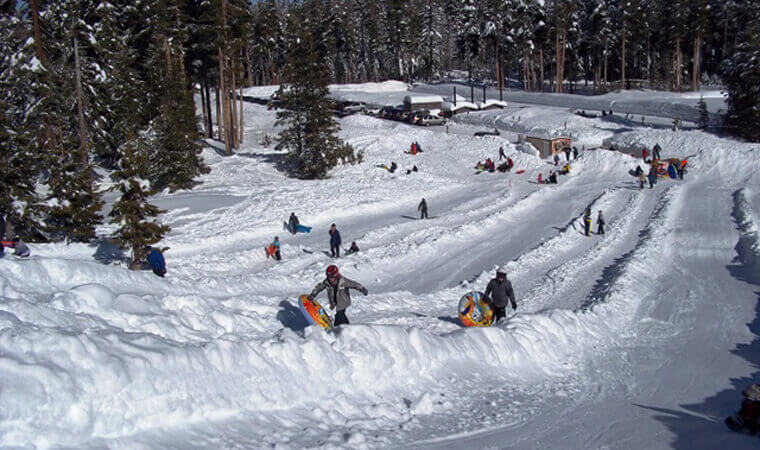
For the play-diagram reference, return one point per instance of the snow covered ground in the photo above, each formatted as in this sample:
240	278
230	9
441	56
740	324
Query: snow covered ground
641	338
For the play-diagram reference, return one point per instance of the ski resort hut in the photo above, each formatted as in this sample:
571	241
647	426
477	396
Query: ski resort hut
547	146
418	102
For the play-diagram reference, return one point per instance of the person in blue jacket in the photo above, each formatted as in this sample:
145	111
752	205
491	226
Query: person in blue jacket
334	241
156	260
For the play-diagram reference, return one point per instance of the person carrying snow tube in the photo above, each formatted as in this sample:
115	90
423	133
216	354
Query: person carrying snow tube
500	291
156	260
337	292
294	225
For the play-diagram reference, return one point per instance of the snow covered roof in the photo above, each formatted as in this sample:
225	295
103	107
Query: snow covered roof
423	99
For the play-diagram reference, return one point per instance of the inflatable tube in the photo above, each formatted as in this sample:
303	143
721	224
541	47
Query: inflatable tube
475	310
313	312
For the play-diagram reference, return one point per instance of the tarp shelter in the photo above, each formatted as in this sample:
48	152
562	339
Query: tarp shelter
548	146
418	102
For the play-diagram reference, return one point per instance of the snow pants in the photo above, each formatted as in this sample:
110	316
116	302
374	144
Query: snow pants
499	313
340	318
423	214
335	251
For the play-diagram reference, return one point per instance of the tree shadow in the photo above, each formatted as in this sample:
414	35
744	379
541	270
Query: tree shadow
107	251
291	316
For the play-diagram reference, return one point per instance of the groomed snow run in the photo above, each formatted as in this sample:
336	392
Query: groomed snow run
642	337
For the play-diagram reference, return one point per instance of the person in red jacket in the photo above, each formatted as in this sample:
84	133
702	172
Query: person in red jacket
644	154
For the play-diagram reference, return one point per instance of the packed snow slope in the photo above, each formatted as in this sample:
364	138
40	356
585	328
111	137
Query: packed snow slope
642	337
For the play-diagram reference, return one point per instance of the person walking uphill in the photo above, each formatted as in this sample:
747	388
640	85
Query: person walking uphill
156	260
334	241
587	221
600	223
499	290
422	208
337	293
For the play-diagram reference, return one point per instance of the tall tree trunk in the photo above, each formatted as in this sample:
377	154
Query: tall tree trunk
38	44
622	62
207	106
541	67
249	66
678	64
557	59
80	105
233	104
606	54
696	68
225	105
240	126
203	110
219	125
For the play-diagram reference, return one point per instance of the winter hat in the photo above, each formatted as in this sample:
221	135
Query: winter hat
502	270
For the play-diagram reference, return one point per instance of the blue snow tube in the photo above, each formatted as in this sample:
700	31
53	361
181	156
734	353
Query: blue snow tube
672	171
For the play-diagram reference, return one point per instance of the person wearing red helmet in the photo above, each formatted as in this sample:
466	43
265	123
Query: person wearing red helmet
337	292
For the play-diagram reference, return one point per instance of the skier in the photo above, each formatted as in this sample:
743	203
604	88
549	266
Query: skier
334	241
422	208
600	223
499	290
501	153
353	249
587	221
293	223
156	260
337	292
274	249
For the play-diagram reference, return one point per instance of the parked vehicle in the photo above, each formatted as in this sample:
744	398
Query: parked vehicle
429	119
385	112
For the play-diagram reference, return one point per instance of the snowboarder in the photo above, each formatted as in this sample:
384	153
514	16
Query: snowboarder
499	290
749	413
501	153
274	249
334	241
156	260
600	223
422	208
587	221
337	293
353	249
656	151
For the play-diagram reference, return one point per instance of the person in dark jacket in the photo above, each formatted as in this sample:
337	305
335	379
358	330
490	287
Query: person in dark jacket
501	153
499	290
575	152
652	177
353	249
600	223
422	208
337	293
293	223
587	221
656	151
567	153
156	260
334	241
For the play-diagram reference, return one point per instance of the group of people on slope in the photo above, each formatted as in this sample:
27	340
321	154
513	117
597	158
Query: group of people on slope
587	222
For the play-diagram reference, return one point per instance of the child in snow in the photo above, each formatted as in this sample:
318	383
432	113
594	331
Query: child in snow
499	290
337	293
335	241
600	223
156	260
422	208
587	221
353	249
274	249
540	178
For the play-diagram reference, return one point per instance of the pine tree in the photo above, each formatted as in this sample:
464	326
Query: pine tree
704	117
133	211
309	133
742	78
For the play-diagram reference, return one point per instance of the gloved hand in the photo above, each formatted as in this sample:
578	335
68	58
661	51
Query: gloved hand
364	291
